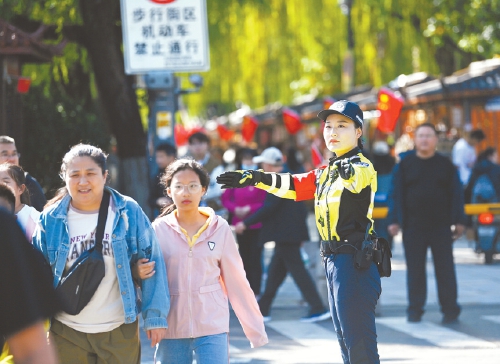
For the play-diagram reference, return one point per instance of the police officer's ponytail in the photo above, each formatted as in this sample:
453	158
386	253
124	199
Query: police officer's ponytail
360	142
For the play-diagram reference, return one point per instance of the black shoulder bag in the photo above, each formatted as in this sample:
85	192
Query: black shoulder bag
79	283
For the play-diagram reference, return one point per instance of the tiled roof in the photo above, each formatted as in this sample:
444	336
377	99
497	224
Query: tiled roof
479	77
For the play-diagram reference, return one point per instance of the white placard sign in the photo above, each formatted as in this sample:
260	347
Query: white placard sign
165	35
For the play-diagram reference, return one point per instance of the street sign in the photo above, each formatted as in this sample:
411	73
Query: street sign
165	35
164	124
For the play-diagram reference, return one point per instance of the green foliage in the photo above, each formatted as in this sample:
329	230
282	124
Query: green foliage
265	51
54	123
473	25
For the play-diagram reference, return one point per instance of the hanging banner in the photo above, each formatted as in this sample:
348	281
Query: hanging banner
389	105
165	35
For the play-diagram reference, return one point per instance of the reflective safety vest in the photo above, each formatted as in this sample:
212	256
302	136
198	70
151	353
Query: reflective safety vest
341	206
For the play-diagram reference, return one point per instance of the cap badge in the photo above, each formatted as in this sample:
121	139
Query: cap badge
338	106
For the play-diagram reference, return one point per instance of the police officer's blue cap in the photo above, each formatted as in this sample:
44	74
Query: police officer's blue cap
343	107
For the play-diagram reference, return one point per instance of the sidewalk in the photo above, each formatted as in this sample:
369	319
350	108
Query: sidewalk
477	283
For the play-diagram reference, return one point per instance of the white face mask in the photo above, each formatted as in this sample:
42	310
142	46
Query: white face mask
249	166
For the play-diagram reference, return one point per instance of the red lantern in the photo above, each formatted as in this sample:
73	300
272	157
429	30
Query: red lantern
292	120
23	85
389	106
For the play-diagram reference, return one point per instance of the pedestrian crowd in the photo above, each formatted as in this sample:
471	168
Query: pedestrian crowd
203	251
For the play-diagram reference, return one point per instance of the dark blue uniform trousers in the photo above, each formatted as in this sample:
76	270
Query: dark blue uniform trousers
353	295
416	244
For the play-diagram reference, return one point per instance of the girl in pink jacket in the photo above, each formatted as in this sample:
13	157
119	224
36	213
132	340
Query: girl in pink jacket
204	270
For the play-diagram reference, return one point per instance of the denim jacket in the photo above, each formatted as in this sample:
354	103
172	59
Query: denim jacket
133	238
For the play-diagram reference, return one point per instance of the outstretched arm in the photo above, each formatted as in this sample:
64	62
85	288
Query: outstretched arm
295	187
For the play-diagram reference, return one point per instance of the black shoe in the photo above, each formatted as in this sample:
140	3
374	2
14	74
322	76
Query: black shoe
449	319
414	318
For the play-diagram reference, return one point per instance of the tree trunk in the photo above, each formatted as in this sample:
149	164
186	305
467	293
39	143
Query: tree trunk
102	38
451	58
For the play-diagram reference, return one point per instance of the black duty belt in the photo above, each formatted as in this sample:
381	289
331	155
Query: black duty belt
328	247
345	246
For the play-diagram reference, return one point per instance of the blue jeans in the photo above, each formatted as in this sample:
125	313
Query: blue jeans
211	349
353	295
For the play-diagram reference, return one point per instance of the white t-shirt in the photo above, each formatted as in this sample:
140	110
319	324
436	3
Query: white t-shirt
105	311
464	156
28	217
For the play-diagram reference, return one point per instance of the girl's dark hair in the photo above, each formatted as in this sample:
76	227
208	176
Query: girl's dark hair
19	177
79	150
177	166
7	194
486	154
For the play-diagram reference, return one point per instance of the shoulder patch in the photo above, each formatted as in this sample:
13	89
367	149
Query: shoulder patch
357	161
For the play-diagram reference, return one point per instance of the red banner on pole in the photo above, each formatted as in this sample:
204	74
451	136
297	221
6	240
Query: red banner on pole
316	156
249	127
224	132
181	134
389	106
292	120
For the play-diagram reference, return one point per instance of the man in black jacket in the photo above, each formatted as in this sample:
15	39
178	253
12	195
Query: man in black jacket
9	154
427	201
284	222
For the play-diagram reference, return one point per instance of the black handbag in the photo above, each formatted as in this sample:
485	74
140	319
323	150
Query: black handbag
79	283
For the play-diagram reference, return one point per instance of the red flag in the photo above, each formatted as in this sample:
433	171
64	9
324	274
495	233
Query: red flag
327	102
249	127
389	106
181	134
224	132
316	157
292	120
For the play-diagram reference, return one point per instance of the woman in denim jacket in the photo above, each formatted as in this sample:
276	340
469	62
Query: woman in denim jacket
107	328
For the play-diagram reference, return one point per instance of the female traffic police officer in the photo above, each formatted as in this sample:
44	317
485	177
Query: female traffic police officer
343	193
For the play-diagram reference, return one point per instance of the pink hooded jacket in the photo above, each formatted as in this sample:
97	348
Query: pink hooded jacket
202	278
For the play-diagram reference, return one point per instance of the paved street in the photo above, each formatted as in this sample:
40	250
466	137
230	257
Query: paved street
475	338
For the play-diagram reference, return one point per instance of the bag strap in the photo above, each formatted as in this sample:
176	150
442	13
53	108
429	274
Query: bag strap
101	220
